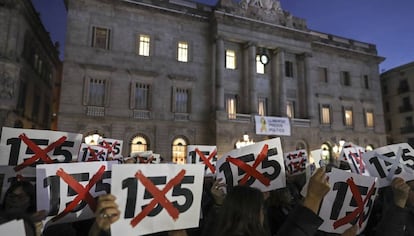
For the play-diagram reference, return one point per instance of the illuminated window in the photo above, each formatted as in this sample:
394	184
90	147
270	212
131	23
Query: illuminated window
262	106
181	103
144	45
260	67
230	59
348	119
141	95
369	119
325	114
231	106
92	139
290	109
183	51
179	151
100	37
139	144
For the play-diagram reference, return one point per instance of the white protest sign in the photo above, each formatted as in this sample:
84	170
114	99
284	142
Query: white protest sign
269	125
114	147
349	201
146	157
259	165
67	191
92	153
154	198
318	158
296	162
27	147
388	162
352	154
9	175
14	227
203	154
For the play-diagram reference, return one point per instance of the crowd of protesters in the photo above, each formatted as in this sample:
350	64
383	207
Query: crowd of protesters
243	211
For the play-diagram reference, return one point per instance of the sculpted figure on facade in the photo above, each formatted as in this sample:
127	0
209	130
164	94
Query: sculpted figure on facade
6	85
268	5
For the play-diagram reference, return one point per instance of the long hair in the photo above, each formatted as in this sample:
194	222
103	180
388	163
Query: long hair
28	188
240	213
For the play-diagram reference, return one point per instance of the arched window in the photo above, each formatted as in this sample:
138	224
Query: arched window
139	144
179	151
326	152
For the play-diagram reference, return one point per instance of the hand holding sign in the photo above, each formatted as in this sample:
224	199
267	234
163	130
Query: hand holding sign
106	213
400	191
317	189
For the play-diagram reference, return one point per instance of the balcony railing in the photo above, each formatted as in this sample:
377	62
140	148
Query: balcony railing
141	114
95	111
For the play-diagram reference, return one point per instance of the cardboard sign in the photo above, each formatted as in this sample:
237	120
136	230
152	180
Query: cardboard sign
154	198
349	201
390	161
296	162
9	175
92	153
114	147
259	165
203	154
15	227
353	155
67	191
27	147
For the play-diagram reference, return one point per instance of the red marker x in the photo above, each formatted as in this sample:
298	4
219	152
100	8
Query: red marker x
358	159
94	154
159	196
109	147
207	160
251	170
83	192
39	153
358	212
143	160
297	166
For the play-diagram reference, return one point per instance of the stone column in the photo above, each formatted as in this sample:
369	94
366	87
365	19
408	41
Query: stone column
278	75
251	55
219	74
303	77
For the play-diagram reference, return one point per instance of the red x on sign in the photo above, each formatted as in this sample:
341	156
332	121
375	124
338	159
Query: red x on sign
109	146
94	154
251	170
358	212
83	192
207	160
359	161
159	196
297	166
39	153
143	160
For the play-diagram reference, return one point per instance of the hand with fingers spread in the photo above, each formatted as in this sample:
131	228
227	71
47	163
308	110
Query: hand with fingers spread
217	191
106	213
317	189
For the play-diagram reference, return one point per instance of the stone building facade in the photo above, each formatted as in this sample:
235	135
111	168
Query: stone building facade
29	68
161	75
397	91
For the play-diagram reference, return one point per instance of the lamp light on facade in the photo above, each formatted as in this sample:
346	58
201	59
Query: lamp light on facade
244	142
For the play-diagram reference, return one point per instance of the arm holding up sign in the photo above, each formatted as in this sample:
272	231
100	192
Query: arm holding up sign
394	218
304	219
106	213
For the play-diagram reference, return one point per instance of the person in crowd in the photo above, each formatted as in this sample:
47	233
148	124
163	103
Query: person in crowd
107	213
20	203
396	206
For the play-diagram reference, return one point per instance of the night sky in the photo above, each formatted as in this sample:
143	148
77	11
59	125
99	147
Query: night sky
387	23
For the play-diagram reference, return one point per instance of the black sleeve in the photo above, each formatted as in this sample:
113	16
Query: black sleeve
300	222
393	222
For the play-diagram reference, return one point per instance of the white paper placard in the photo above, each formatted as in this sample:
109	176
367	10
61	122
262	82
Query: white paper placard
259	165
92	153
58	185
140	188
27	147
390	161
203	154
114	147
14	227
350	199
296	162
352	154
